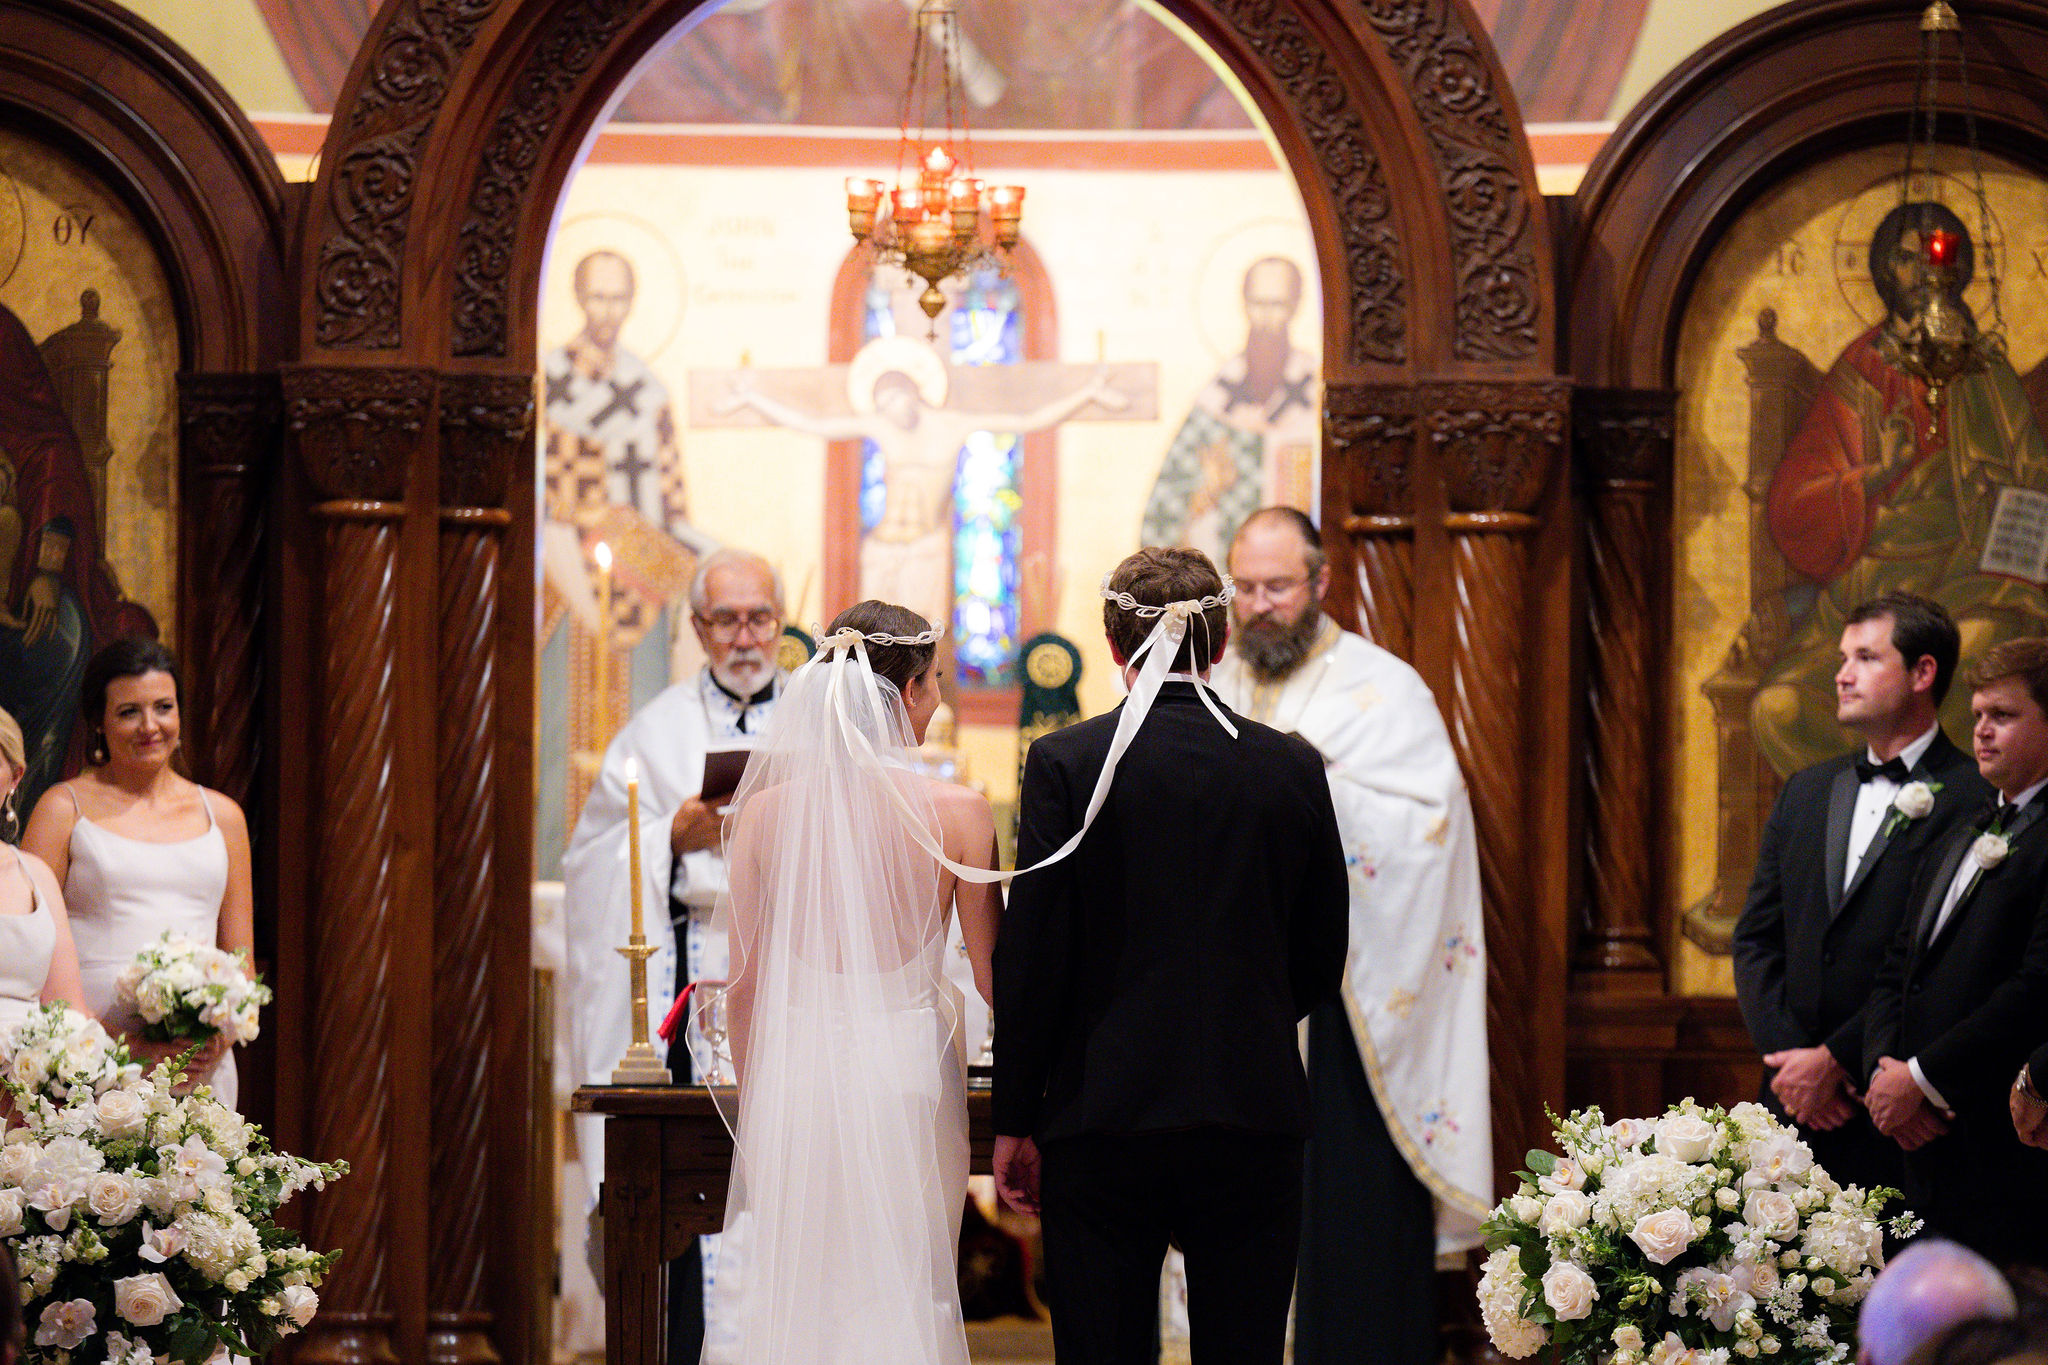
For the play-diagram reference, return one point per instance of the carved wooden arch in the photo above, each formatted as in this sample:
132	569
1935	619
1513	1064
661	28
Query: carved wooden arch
91	80
1760	104
412	404
1394	115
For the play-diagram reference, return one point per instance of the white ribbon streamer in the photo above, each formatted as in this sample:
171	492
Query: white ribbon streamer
1154	661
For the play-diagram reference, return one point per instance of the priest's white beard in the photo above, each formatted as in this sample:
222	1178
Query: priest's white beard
1273	646
745	671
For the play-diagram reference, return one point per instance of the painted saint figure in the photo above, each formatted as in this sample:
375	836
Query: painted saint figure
61	601
1878	492
1249	438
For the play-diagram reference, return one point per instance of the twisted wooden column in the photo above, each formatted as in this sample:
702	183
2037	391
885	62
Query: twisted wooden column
486	421
1495	445
356	431
1369	434
1622	441
228	433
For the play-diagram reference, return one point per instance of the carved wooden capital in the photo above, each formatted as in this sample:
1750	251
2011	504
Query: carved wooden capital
486	424
227	423
357	427
1497	442
1622	438
1370	430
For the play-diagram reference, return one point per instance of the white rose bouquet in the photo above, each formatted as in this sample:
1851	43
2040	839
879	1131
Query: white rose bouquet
142	1221
1696	1238
186	991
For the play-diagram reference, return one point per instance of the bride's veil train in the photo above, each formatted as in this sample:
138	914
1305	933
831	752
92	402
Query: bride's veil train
850	1131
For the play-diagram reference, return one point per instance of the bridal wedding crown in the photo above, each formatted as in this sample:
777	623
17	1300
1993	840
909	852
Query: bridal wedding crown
845	637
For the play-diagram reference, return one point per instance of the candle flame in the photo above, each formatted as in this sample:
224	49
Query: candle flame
602	553
632	768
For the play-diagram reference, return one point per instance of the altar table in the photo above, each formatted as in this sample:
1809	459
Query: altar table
667	1156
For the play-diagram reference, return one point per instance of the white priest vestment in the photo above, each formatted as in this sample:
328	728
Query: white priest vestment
670	736
1415	982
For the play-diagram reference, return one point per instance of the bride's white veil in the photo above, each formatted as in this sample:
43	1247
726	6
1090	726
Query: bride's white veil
849	1125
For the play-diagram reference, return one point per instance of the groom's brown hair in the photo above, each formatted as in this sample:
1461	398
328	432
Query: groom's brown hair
1155	576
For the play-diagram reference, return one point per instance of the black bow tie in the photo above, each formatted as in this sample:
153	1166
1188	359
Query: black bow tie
1894	768
1997	813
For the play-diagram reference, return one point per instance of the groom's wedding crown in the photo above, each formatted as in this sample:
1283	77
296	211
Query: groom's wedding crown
1183	610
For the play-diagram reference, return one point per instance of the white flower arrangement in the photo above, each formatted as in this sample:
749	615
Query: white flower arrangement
142	1221
186	991
1698	1238
1989	850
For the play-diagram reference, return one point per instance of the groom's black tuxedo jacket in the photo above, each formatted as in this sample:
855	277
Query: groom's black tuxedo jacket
1152	980
1806	949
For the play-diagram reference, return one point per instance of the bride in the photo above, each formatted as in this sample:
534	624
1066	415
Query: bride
850	1130
37	961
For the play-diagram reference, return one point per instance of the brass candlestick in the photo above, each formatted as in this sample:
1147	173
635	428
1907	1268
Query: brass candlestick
639	1066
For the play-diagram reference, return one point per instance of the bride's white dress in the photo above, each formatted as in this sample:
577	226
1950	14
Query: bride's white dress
850	1133
844	1251
27	943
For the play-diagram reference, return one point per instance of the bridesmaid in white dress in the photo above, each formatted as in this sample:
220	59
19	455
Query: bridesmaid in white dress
37	962
139	848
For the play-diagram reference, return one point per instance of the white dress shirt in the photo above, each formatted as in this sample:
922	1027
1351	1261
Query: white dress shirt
1967	872
1874	802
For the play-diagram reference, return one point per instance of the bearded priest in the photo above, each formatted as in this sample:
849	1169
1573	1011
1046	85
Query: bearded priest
737	610
1399	1167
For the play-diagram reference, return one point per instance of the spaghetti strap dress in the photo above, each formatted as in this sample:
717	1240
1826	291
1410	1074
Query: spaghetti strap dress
122	895
27	942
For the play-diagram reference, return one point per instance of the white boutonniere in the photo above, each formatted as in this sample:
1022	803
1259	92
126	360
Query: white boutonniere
1915	801
1990	850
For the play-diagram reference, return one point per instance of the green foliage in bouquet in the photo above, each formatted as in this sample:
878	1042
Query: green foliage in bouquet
143	1221
1698	1238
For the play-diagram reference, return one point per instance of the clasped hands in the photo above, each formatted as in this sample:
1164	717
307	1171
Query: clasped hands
2029	1115
1815	1091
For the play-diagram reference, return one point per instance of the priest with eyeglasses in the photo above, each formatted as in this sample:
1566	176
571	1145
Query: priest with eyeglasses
736	608
1399	1167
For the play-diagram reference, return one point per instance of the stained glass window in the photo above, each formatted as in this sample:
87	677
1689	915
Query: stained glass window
984	327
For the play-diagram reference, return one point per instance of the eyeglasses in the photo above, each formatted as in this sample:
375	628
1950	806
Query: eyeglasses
1273	590
724	626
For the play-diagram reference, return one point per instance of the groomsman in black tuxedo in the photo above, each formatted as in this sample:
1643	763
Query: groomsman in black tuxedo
1963	994
1834	873
1148	1083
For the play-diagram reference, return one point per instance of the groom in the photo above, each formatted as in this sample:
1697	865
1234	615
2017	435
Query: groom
1148	1085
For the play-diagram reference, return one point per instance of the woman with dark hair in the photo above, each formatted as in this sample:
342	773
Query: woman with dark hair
139	848
850	1132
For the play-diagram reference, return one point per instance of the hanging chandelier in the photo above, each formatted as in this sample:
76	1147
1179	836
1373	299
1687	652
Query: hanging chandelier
1940	340
938	220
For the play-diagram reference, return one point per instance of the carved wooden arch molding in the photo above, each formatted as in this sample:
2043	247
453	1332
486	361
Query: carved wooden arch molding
88	78
1395	116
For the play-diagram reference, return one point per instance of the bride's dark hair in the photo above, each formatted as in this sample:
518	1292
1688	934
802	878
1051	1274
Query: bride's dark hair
898	663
